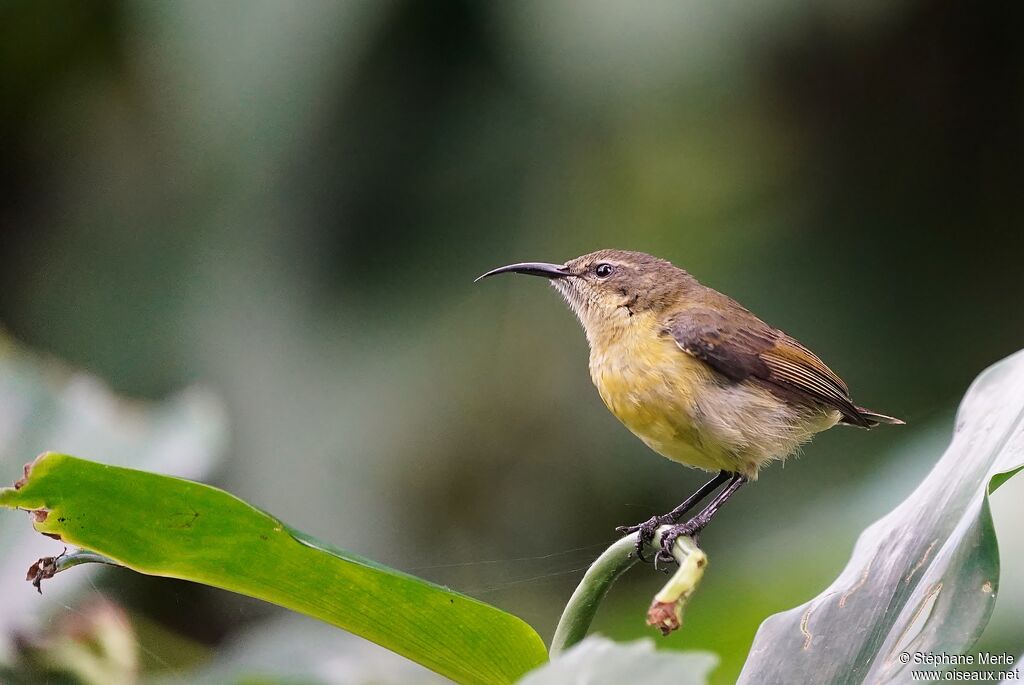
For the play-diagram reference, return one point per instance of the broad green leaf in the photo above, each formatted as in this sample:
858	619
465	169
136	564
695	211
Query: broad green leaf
600	661
180	529
924	578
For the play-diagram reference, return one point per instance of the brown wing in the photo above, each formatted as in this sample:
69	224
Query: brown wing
740	347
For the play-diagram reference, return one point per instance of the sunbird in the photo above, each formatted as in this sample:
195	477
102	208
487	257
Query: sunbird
696	376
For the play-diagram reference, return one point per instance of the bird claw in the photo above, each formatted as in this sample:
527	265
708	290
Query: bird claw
691	529
645	535
666	560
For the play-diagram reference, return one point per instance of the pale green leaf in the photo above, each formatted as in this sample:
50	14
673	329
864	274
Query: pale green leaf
924	578
600	661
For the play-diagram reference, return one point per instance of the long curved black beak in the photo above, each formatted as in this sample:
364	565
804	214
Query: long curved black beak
531	269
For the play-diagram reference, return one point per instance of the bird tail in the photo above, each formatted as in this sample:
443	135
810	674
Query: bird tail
872	418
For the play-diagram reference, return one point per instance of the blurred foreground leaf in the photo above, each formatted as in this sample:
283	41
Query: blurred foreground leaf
599	661
924	578
295	649
180	529
95	645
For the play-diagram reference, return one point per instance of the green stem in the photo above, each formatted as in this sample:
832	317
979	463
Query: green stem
617	559
48	567
72	559
598	580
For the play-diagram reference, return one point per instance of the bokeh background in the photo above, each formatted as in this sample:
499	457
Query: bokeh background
287	203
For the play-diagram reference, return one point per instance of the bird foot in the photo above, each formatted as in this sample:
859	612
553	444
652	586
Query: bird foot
646	533
691	529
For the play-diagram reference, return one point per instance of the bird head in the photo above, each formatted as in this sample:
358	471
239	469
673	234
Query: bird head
608	289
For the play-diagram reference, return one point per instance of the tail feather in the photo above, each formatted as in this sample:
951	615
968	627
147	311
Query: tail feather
870	419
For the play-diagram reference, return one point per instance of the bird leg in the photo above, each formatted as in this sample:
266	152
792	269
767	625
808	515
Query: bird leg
695	525
647	528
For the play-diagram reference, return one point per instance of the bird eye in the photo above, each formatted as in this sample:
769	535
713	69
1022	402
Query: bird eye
604	270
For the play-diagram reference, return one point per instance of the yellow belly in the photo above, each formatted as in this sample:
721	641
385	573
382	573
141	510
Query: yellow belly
683	411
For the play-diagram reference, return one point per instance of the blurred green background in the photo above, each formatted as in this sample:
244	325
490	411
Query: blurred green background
288	202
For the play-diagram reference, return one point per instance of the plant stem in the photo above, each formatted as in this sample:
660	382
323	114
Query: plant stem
602	574
66	561
582	606
48	567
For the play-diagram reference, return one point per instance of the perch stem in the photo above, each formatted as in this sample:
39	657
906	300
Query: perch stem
602	574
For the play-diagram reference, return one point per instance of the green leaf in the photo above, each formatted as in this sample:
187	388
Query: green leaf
599	661
180	529
924	578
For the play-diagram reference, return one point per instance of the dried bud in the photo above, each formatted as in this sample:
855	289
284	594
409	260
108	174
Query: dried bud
40	571
665	616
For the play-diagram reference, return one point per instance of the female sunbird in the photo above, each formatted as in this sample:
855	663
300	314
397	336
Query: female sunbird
701	380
